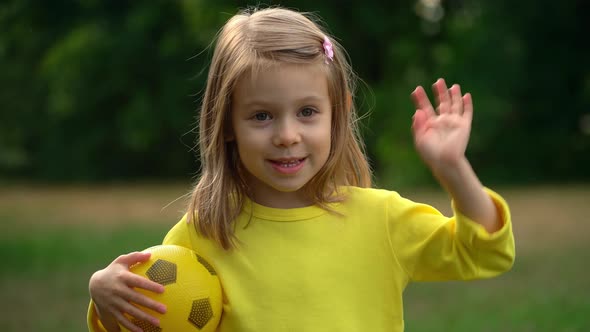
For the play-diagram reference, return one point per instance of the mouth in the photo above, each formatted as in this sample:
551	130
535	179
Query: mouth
287	162
287	165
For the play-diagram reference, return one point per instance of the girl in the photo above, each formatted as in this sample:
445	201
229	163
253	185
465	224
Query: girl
284	210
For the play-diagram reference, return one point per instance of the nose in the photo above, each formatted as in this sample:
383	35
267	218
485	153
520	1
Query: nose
287	133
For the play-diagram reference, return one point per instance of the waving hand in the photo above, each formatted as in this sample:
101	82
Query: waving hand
441	136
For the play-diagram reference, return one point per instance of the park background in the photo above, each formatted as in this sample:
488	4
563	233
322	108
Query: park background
98	106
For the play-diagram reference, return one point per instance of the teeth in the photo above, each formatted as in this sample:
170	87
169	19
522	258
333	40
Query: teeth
290	163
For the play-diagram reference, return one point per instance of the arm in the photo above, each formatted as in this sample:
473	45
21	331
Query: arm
432	247
441	140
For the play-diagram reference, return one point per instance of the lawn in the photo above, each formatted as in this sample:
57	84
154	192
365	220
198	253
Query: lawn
52	239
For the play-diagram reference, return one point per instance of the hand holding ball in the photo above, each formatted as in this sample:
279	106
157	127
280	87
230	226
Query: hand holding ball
192	292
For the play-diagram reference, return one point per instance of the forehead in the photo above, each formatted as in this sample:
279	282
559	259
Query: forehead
282	83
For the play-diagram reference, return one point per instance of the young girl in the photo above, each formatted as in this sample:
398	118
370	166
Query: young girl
284	209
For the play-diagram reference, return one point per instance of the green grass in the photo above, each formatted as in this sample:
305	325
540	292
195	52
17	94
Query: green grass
541	293
44	275
46	267
35	253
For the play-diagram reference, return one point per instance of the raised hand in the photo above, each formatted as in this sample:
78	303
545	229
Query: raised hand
113	293
441	137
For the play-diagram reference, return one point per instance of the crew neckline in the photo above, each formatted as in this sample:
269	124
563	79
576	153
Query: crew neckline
276	214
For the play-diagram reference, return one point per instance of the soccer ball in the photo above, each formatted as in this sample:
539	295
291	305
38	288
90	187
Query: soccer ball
192	292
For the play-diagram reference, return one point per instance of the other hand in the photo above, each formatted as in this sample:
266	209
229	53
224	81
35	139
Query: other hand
113	292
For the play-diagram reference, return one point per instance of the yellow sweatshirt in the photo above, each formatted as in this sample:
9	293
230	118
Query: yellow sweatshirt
307	269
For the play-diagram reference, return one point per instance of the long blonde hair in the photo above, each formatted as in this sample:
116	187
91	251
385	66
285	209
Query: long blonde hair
249	40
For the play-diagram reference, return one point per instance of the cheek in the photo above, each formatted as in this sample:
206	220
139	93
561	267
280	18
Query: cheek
323	139
248	142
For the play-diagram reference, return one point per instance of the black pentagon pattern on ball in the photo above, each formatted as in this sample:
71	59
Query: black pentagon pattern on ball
146	326
207	265
162	272
201	313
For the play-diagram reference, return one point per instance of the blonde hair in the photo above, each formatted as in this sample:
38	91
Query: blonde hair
248	41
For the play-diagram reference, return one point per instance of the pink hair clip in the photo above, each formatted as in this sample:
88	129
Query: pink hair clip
328	49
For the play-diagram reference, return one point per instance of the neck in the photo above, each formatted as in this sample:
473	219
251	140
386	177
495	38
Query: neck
282	200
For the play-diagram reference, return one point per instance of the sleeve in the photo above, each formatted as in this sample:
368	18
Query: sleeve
179	235
432	247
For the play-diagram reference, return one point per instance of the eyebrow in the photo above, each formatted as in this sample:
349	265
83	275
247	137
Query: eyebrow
262	102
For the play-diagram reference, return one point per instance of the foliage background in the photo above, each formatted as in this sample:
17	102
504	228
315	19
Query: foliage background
98	104
105	90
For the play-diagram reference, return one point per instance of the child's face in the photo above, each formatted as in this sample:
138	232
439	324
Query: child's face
281	120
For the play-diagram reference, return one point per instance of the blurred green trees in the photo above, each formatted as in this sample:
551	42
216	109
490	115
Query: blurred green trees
95	90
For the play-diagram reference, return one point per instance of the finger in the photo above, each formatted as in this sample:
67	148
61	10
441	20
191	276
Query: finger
468	107
138	314
137	281
441	93
419	122
133	258
421	101
456	100
126	322
144	301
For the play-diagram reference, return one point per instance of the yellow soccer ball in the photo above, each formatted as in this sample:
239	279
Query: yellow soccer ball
192	292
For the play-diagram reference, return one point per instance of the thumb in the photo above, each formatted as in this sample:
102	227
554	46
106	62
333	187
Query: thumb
418	121
133	258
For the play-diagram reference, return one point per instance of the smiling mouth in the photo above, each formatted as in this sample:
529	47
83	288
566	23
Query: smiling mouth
288	163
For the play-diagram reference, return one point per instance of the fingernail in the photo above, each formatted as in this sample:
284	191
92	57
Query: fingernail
156	322
163	309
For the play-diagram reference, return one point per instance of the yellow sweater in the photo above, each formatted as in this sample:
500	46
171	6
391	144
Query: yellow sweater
307	269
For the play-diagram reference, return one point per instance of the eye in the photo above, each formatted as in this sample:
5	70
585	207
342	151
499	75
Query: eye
261	116
307	112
